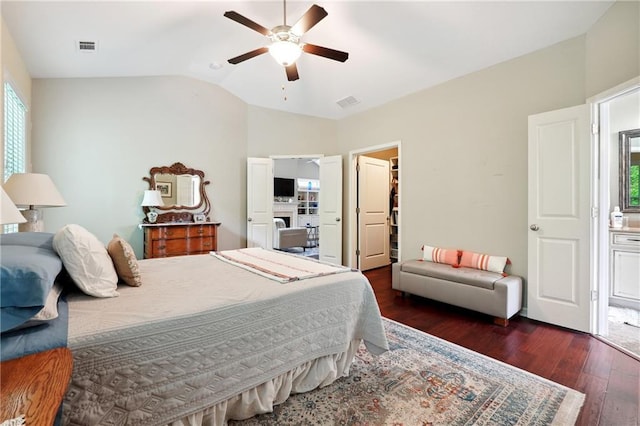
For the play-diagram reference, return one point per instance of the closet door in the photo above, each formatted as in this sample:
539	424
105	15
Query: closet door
373	219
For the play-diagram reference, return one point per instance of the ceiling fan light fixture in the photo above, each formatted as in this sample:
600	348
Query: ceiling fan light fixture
285	52
286	46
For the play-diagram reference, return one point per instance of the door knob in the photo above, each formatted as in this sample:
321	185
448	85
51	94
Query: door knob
534	227
249	219
337	219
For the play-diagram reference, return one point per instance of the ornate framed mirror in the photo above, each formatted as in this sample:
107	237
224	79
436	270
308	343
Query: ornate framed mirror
629	179
183	193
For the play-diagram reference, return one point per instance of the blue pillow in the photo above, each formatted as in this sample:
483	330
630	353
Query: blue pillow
13	317
30	239
27	274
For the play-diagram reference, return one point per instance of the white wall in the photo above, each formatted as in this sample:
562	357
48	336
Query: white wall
97	138
280	133
613	48
464	151
296	168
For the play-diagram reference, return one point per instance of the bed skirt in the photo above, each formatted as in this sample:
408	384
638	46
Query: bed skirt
313	374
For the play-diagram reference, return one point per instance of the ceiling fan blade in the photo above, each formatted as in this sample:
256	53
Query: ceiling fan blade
311	17
248	55
292	72
235	16
336	55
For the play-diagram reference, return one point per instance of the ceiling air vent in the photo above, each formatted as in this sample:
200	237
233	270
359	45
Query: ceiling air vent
347	102
87	46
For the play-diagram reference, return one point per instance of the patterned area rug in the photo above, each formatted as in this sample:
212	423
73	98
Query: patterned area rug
424	380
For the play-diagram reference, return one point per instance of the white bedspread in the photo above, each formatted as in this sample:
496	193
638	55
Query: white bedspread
199	331
281	267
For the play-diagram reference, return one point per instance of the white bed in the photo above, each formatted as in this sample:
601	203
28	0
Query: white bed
203	341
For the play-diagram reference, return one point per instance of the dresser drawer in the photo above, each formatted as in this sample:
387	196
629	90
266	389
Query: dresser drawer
166	248
201	231
627	239
168	232
200	245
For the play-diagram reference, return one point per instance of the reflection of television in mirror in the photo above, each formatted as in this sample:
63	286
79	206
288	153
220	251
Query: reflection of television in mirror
283	187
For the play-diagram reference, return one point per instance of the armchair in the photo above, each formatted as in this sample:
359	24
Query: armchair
284	238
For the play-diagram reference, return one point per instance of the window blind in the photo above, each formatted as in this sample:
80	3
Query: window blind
15	140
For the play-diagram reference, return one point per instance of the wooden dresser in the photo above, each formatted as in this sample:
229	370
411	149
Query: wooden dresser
179	239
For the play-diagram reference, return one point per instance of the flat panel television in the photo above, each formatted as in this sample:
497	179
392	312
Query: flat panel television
283	187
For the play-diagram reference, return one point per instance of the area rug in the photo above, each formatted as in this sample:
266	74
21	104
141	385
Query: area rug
424	380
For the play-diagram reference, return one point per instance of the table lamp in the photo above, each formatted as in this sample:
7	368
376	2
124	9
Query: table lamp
152	198
9	213
33	190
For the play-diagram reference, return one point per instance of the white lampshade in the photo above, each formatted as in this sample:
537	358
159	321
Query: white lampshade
9	213
152	198
285	52
33	189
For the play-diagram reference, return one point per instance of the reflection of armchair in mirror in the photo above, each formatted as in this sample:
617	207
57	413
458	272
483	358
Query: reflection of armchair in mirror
182	190
630	170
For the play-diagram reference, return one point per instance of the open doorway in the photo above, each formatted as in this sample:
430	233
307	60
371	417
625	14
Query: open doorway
260	203
374	206
296	195
618	323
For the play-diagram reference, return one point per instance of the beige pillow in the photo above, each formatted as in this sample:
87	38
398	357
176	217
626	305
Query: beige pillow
86	260
124	259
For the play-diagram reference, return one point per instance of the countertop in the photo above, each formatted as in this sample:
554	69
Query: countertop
627	229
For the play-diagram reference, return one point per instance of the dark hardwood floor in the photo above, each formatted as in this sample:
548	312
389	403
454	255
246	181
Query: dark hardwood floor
609	378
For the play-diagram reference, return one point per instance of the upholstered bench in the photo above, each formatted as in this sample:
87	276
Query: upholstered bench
488	292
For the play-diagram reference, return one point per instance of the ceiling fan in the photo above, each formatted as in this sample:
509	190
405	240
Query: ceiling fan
286	46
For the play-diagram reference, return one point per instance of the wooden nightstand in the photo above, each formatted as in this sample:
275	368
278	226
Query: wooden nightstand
34	385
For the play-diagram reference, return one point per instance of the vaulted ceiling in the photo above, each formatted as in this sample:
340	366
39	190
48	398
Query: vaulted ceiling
395	48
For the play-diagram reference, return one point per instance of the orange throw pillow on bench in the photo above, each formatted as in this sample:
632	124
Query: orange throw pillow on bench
440	255
484	261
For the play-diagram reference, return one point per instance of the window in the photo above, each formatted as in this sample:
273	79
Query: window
15	141
634	185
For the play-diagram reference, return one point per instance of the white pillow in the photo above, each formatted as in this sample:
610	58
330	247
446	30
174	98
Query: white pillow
86	260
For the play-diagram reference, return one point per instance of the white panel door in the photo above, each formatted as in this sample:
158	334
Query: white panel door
259	202
330	200
559	218
373	220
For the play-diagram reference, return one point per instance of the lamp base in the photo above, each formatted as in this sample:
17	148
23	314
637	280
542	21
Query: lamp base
152	217
34	221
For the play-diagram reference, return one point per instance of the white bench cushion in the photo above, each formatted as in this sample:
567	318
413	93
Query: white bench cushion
462	275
